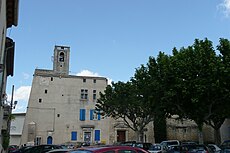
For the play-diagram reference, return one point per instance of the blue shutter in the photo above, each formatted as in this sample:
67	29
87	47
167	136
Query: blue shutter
74	135
99	116
91	114
97	135
82	114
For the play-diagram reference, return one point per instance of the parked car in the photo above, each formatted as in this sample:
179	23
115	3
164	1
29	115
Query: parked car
214	148
170	143
189	142
199	148
22	149
189	148
11	148
128	143
111	149
42	148
157	148
226	143
143	145
174	149
225	146
59	151
225	149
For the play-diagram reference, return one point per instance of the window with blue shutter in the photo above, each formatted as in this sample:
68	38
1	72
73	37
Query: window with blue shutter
97	135
82	114
91	114
73	135
94	115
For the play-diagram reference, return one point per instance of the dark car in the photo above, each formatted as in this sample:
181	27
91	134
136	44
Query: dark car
225	146
190	148
22	149
144	145
128	143
226	143
199	148
109	149
11	148
42	148
225	149
175	149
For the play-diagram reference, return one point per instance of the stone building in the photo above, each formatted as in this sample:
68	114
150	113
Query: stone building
61	108
187	130
16	128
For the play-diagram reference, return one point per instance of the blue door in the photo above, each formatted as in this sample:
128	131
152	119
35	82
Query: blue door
49	140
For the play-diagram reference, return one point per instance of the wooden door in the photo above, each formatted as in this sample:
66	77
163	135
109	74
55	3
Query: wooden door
120	136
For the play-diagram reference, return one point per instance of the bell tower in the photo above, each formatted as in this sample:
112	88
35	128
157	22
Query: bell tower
61	60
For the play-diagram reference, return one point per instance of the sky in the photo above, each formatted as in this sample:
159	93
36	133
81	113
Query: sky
109	38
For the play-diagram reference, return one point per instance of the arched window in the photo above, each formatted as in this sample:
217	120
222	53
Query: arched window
61	57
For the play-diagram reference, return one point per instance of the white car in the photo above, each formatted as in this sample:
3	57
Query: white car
214	148
169	143
157	148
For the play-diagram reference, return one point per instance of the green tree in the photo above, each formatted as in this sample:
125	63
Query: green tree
193	83
147	83
121	100
222	97
197	89
159	78
138	101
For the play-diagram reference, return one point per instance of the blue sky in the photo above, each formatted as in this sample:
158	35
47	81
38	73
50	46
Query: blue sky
109	38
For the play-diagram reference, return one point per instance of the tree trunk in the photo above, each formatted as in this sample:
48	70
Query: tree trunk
159	128
217	136
137	135
200	137
140	136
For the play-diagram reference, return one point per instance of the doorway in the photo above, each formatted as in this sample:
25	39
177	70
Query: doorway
49	140
120	136
87	136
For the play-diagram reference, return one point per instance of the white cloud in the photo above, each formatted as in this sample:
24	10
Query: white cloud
21	94
109	81
20	109
89	73
26	76
225	7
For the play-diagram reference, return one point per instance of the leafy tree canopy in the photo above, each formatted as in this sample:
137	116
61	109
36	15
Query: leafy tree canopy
193	83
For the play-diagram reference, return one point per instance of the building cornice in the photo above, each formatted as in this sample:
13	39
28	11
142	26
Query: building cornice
12	12
51	73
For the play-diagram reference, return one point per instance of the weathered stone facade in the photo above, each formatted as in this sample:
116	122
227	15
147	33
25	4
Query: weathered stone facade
187	130
61	108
